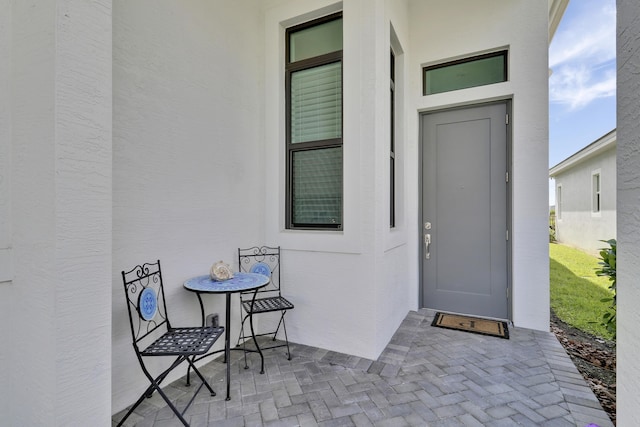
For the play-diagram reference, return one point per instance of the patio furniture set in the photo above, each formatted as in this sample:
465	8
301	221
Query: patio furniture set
258	284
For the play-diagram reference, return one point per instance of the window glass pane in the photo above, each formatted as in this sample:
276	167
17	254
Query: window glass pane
559	202
317	187
315	41
466	74
316	103
596	193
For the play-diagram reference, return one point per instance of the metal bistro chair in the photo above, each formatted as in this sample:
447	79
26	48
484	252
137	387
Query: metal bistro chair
263	260
154	336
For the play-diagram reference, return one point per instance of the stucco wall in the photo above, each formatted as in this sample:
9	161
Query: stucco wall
439	32
578	226
372	263
396	294
628	128
5	201
6	266
188	153
56	312
325	314
196	170
359	291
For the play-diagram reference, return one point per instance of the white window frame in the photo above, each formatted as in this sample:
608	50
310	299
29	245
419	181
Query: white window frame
396	236
349	239
291	148
559	202
596	193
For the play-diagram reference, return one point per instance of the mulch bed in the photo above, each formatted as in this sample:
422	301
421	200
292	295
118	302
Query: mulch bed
595	358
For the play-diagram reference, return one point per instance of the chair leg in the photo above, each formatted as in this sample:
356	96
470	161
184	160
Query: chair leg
204	381
172	406
188	384
253	334
155	385
244	341
147	393
286	338
275	334
241	333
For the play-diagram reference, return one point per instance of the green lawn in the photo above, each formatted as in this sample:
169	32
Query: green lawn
576	291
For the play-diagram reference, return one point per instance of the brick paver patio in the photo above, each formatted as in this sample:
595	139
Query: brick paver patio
426	376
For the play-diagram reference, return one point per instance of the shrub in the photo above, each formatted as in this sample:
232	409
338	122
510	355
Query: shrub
608	268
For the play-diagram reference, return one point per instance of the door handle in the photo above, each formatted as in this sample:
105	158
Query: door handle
427	246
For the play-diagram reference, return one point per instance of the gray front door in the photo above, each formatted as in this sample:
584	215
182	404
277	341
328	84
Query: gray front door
464	211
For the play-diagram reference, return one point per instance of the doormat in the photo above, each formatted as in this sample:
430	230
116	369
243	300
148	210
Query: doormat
494	328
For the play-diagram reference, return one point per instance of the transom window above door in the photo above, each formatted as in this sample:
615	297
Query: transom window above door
465	73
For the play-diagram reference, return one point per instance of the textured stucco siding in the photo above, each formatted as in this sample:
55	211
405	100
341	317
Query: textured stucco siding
5	202
190	167
6	266
439	32
628	128
187	169
337	305
373	264
578	225
56	312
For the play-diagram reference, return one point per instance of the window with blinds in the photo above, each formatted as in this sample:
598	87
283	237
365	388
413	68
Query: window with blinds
314	124
316	103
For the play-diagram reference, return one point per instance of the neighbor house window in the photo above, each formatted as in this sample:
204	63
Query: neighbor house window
392	143
559	202
595	192
313	79
465	73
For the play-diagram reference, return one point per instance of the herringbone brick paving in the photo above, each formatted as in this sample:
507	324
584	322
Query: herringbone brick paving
426	376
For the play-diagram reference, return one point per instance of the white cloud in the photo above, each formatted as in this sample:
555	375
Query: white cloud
576	86
582	55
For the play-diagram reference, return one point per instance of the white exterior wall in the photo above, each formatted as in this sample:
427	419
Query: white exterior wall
6	265
396	293
55	125
628	131
366	263
188	154
439	32
197	171
578	226
359	291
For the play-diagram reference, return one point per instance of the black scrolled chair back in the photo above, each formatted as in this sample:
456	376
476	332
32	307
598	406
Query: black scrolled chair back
267	255
264	260
136	281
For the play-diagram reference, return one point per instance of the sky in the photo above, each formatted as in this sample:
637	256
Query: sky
582	86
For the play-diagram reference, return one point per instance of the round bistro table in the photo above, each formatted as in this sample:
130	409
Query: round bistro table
240	282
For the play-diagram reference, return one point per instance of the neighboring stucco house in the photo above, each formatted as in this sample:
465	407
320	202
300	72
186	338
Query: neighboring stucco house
585	186
138	130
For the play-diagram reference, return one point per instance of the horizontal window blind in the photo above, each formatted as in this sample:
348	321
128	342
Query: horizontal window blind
316	103
317	188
